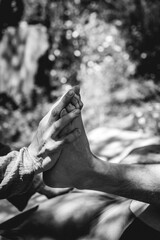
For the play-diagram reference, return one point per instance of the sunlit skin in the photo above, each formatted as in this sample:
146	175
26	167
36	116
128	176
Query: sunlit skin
78	167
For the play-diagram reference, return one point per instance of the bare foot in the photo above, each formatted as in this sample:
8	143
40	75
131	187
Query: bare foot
74	160
47	144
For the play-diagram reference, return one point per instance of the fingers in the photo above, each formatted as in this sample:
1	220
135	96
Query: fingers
76	101
64	112
71	97
64	121
70	108
62	103
72	136
69	128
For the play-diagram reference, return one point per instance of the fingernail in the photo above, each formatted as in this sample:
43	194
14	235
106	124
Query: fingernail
63	112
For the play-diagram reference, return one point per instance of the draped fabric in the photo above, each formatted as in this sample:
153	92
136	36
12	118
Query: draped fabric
17	180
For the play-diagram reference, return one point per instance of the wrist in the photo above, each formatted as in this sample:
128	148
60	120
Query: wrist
36	160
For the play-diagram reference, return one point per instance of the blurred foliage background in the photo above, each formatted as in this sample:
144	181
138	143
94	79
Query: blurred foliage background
110	47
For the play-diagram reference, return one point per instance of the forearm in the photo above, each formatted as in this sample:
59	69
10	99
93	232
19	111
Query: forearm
137	181
16	173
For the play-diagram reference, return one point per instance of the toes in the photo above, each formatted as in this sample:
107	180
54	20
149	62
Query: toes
77	96
61	104
70	108
69	101
71	97
75	101
81	104
64	121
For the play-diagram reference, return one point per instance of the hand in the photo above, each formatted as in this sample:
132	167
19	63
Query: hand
75	161
48	141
